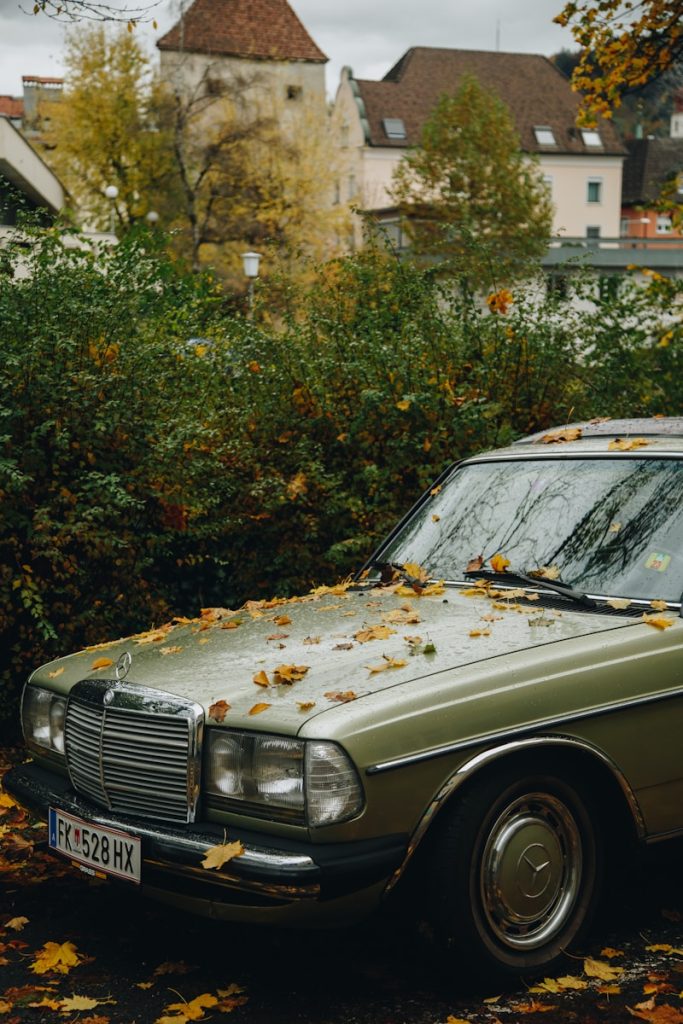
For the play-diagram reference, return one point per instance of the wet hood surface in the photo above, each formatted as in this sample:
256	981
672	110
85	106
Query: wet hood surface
343	644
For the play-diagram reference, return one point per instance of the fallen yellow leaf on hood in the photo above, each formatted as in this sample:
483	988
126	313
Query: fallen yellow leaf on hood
620	444
101	663
658	621
385	664
261	679
258	708
379	632
219	710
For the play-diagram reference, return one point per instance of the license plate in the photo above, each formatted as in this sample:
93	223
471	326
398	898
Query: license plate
102	849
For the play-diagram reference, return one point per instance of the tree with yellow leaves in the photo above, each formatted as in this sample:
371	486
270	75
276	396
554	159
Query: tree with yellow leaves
625	43
105	130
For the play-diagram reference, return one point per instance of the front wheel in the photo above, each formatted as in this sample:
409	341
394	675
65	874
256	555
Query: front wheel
514	873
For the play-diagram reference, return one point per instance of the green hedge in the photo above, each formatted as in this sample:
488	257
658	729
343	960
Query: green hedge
143	474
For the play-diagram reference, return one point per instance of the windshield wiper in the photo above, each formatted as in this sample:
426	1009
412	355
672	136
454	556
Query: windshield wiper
535	581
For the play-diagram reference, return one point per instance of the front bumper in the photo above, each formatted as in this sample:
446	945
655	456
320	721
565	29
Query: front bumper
272	872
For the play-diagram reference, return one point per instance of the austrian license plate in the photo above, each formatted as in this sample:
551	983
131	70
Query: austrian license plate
104	850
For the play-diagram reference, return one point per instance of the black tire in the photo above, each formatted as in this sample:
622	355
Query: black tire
514	874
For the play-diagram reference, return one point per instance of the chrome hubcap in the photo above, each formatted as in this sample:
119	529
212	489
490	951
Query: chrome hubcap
531	871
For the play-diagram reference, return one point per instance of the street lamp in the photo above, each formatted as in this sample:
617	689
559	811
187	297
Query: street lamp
250	263
111	192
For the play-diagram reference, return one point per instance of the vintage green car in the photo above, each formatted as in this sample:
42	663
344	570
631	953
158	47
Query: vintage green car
483	722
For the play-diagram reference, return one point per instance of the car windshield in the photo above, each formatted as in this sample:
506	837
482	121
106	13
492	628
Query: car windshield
611	526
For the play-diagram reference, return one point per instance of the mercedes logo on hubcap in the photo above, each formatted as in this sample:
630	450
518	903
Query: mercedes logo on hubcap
533	874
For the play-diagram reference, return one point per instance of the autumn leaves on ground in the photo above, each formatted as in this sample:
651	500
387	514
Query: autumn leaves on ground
73	949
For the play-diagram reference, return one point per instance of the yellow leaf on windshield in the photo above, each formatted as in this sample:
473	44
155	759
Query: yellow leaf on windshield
388	662
378	632
499	563
289	673
258	708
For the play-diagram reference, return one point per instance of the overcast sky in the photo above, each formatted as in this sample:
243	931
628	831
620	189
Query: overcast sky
370	35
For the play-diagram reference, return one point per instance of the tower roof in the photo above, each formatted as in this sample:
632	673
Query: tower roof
256	29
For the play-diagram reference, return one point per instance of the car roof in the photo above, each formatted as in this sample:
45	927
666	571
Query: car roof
663	434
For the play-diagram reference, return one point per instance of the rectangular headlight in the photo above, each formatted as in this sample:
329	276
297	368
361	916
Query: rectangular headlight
42	719
306	782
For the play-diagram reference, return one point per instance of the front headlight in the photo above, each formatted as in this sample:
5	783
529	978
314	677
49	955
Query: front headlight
306	782
42	719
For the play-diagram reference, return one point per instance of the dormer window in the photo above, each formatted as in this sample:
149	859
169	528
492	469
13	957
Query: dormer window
544	135
394	128
591	138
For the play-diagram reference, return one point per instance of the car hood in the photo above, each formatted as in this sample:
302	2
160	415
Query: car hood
345	645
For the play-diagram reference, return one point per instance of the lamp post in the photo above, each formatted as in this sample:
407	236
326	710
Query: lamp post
250	263
111	192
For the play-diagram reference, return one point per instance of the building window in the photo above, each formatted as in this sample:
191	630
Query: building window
663	225
625	227
294	92
544	135
394	128
594	191
593	233
591	138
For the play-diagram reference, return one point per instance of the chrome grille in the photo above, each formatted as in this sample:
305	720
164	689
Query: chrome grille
134	750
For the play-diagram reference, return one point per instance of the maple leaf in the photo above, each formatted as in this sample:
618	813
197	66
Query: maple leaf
57	672
282	620
305	705
500	301
631	444
219	710
562	436
618	602
169	650
556	985
614	528
546	572
379	632
49	1004
231	624
601	970
385	664
101	663
56	957
404	404
609	990
436	518
475	564
533	1006
217	856
17	923
289	674
310	640
499	563
258	708
82	1003
192	1010
277	636
480	632
261	679
658	621
664	947
215	614
659	606
341	696
611	953
343	647
663	1014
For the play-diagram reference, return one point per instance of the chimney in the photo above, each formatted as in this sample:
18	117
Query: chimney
677	116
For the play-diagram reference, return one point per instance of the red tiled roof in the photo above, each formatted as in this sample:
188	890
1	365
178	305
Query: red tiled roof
41	80
260	29
536	93
11	106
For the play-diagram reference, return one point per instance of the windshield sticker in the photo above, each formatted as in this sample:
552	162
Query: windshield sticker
658	561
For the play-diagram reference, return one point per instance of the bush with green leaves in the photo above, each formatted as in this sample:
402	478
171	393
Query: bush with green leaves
159	452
